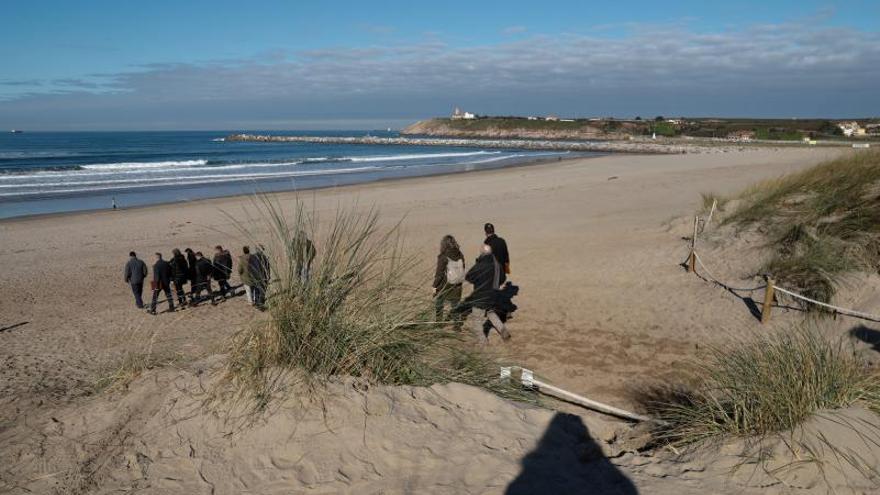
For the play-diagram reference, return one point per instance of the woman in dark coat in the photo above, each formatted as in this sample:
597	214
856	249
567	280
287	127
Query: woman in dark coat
485	276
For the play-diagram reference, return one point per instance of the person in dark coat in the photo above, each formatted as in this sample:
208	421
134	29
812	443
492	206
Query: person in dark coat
161	282
135	273
191	272
204	271
179	275
499	249
222	269
261	273
191	264
485	276
450	263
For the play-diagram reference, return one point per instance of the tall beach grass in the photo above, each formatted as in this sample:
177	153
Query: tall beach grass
823	222
766	384
359	312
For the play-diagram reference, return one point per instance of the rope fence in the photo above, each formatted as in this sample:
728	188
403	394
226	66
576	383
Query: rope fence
770	287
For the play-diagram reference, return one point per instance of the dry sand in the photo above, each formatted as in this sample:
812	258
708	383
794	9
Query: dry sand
604	307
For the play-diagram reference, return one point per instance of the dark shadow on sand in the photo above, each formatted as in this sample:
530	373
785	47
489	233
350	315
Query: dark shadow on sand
867	335
568	461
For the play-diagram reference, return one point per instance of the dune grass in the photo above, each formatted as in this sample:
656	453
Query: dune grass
132	365
767	384
357	314
823	222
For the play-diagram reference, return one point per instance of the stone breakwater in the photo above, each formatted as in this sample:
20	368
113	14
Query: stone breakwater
523	144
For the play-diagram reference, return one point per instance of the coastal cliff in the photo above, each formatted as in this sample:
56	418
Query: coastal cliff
520	128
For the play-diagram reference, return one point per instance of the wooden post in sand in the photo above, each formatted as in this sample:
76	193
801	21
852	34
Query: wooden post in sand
692	259
711	212
768	300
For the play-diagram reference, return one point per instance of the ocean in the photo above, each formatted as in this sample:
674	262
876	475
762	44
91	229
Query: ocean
53	172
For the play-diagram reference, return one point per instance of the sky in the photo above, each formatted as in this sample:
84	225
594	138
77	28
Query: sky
175	65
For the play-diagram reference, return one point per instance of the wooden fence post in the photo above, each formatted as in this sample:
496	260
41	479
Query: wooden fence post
692	259
768	300
711	212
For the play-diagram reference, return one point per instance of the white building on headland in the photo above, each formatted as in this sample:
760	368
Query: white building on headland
851	129
551	118
458	114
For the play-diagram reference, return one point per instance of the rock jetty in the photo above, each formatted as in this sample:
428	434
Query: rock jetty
632	146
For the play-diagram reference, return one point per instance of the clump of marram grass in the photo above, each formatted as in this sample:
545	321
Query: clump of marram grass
132	365
824	222
707	199
356	314
768	384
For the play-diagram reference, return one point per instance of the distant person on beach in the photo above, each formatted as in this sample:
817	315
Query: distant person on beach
448	276
485	276
135	273
179	274
204	272
304	253
161	282
222	270
244	273
499	250
261	271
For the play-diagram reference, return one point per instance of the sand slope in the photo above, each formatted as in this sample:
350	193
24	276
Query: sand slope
603	307
161	437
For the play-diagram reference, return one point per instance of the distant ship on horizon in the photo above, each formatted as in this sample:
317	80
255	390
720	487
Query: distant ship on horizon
16	131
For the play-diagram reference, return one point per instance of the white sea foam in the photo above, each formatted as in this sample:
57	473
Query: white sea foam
176	181
141	165
138	175
391	158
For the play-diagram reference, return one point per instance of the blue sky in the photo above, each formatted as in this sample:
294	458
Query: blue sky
285	64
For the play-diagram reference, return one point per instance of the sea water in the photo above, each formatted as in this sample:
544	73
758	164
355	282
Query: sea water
52	172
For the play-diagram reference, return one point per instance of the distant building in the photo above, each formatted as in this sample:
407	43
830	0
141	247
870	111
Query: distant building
457	114
851	129
532	117
566	120
552	118
742	135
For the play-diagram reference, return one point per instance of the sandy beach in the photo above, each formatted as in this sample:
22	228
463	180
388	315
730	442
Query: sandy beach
595	247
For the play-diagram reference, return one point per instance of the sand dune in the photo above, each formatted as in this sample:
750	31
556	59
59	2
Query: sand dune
603	307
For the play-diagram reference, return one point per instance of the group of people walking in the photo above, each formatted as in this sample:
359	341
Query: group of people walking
490	302
198	271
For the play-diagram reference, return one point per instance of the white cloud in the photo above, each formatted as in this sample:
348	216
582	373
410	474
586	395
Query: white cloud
786	69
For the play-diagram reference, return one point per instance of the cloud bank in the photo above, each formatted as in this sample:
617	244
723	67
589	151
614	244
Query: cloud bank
783	70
